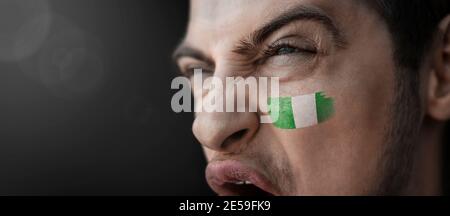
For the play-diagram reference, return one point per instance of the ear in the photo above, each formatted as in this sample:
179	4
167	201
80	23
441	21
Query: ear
439	83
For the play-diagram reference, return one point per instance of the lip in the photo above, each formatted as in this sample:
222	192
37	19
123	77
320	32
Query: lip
220	176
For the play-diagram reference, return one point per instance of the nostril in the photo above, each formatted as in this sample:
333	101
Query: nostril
233	138
238	135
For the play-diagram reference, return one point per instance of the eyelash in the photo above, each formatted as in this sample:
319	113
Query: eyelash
269	52
188	72
273	50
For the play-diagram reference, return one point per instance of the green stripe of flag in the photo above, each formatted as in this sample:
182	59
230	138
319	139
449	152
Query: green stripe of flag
285	117
324	107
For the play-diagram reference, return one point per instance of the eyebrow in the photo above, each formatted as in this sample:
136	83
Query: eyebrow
256	38
301	12
185	50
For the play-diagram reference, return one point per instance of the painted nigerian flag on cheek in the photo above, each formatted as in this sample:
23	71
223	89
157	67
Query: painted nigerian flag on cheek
300	111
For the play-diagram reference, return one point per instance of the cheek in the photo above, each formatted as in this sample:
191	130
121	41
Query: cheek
342	155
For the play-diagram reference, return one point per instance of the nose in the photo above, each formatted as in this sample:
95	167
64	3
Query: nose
228	132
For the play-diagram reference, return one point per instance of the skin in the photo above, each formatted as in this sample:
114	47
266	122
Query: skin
345	155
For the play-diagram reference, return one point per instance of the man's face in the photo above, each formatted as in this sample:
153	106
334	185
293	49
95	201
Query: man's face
341	48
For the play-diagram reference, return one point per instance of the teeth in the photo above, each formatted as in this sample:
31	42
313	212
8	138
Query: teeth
243	182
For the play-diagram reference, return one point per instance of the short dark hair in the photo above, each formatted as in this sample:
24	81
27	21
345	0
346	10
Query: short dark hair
412	24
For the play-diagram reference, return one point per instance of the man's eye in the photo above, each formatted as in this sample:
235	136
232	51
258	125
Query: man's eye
190	71
285	54
286	50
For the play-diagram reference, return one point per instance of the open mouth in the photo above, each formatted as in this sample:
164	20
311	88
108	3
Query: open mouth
233	178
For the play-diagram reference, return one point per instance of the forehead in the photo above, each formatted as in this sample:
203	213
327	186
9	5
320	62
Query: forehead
216	10
225	21
219	10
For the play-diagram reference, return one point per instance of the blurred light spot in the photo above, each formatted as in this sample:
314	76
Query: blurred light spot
71	70
70	63
24	25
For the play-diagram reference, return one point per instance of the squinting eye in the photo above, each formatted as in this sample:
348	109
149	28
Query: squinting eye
190	71
286	50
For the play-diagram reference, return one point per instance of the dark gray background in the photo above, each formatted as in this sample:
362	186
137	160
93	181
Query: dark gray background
89	113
